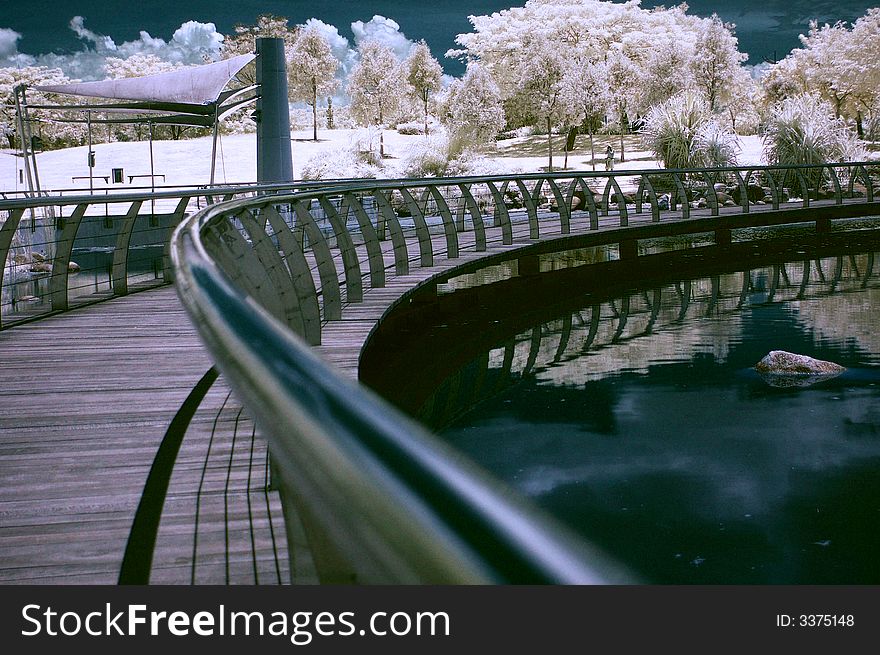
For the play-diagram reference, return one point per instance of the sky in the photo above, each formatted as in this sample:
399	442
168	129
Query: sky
767	29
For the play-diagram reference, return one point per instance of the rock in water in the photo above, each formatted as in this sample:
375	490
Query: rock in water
784	369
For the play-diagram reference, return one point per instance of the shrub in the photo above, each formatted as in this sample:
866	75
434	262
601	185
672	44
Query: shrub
683	134
803	130
340	163
714	146
444	156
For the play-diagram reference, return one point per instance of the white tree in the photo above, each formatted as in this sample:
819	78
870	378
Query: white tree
474	112
375	87
116	68
842	65
622	80
717	61
667	71
312	72
244	42
423	74
540	88
584	97
46	124
864	51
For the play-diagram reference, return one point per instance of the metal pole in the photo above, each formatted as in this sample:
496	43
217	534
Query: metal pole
274	159
214	145
152	175
91	168
23	135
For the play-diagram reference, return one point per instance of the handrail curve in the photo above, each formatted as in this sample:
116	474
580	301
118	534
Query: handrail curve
383	500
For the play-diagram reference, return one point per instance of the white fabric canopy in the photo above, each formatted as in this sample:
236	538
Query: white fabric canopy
197	85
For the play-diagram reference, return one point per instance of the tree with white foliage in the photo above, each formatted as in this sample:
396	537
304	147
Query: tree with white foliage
623	76
116	68
864	51
374	87
312	73
474	113
423	74
717	60
46	124
244	42
840	64
584	97
667	71
540	90
739	100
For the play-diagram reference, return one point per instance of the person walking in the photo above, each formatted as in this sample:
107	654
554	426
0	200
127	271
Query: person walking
609	159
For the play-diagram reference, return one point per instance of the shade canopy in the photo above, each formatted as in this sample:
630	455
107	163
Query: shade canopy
194	85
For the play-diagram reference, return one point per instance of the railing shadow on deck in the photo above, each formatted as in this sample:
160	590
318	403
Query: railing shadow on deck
381	499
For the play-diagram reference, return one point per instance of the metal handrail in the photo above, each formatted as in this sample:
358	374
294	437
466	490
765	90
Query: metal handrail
61	218
382	500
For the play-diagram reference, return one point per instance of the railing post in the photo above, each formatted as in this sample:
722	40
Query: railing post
61	262
120	253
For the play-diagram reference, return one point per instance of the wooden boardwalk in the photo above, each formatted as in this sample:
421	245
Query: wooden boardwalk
86	398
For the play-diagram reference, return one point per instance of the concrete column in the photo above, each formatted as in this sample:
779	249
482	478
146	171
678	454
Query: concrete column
274	159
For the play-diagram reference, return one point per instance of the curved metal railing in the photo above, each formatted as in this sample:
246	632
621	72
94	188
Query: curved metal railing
382	500
64	250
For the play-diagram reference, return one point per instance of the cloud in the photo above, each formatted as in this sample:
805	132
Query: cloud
103	44
192	43
10	57
8	43
384	30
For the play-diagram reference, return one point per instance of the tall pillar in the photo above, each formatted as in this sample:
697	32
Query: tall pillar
274	160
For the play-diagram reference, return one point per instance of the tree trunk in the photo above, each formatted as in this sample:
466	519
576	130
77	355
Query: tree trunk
381	134
569	143
314	110
549	147
859	127
592	149
425	98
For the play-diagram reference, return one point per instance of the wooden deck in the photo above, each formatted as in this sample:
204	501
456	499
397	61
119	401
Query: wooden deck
86	400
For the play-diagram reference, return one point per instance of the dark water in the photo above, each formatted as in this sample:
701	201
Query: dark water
640	422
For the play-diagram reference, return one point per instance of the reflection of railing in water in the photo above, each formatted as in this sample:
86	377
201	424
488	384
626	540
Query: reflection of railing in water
350	465
617	330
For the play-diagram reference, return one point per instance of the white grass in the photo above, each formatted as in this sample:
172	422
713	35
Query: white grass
188	162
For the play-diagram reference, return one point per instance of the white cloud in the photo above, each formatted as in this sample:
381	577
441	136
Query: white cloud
103	44
384	30
10	57
8	43
192	43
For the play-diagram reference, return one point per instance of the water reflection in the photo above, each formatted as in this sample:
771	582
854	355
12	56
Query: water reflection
637	418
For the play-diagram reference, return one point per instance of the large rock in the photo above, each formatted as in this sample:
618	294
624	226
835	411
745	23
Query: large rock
784	369
755	192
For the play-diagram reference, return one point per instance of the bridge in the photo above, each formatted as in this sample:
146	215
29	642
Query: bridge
127	459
